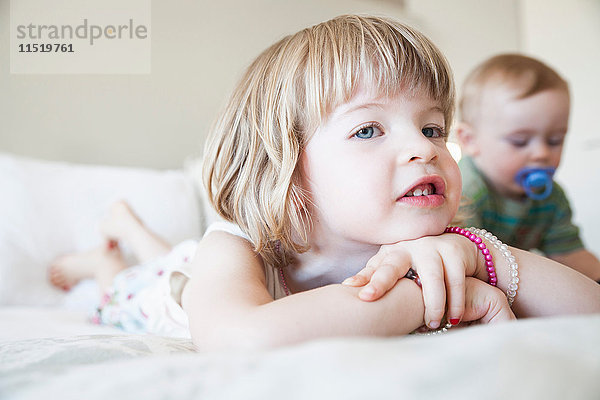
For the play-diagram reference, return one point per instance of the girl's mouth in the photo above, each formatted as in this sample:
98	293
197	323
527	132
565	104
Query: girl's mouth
425	186
426	192
421	190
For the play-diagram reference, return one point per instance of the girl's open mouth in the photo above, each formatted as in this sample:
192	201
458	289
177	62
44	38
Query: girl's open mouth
426	192
421	190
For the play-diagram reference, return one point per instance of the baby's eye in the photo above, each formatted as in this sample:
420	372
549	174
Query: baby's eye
433	132
516	142
555	141
367	132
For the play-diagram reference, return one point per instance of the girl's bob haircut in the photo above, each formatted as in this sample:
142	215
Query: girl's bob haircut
253	148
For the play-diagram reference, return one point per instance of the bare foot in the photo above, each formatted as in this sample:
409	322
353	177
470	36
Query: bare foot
119	223
123	226
100	264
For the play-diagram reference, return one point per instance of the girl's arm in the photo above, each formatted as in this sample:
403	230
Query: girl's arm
581	260
545	286
229	306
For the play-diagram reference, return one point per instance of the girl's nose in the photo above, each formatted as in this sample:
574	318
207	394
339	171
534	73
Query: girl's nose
417	148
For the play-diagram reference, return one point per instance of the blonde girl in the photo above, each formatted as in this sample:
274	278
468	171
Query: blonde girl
330	161
329	165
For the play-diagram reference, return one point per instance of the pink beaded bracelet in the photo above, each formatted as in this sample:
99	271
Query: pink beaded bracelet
489	262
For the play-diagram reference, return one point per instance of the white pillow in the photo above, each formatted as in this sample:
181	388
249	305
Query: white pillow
53	208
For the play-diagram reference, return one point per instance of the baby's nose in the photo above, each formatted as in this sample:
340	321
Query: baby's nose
541	152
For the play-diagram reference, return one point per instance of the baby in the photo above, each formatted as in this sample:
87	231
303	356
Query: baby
514	118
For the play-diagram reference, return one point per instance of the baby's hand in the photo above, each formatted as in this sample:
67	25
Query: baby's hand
485	303
442	263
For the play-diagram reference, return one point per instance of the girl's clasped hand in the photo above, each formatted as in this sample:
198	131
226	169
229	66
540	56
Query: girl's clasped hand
445	265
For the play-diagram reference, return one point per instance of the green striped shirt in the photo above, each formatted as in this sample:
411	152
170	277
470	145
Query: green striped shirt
527	224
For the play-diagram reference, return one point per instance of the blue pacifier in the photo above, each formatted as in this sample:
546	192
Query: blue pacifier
537	182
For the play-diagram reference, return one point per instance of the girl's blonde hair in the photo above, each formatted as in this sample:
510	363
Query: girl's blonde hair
251	156
523	76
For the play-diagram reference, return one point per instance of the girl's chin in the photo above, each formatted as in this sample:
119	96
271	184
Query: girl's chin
416	233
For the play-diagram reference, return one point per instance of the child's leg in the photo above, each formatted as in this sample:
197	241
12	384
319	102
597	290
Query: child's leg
122	225
101	264
485	303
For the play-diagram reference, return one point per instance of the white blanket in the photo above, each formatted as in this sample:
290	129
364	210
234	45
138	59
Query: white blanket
555	358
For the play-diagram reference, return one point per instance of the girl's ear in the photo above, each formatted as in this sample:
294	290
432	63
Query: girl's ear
467	139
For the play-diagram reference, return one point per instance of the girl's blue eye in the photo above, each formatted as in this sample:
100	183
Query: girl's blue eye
433	132
366	132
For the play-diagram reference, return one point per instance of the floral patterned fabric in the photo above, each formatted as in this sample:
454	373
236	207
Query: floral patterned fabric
140	301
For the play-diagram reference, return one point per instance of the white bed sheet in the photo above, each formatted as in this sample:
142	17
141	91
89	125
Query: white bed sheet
26	322
556	358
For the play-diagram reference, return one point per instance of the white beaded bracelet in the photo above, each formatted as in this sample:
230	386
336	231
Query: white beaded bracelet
513	267
443	329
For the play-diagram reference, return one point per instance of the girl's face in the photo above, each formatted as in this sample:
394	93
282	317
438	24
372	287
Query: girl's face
378	170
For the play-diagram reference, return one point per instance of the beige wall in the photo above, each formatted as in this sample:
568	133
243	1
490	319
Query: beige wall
569	40
199	49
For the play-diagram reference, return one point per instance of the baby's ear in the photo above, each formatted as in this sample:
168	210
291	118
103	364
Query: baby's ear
466	139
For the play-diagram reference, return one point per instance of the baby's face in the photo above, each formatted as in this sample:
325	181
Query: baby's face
514	133
378	170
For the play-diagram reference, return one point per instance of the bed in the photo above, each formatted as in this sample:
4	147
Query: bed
49	348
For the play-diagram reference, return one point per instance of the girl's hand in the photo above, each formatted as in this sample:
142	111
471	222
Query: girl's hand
485	304
442	263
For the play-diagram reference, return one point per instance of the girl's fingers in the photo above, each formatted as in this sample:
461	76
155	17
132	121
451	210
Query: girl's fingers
361	278
454	272
388	269
430	270
381	282
485	304
356	280
364	275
